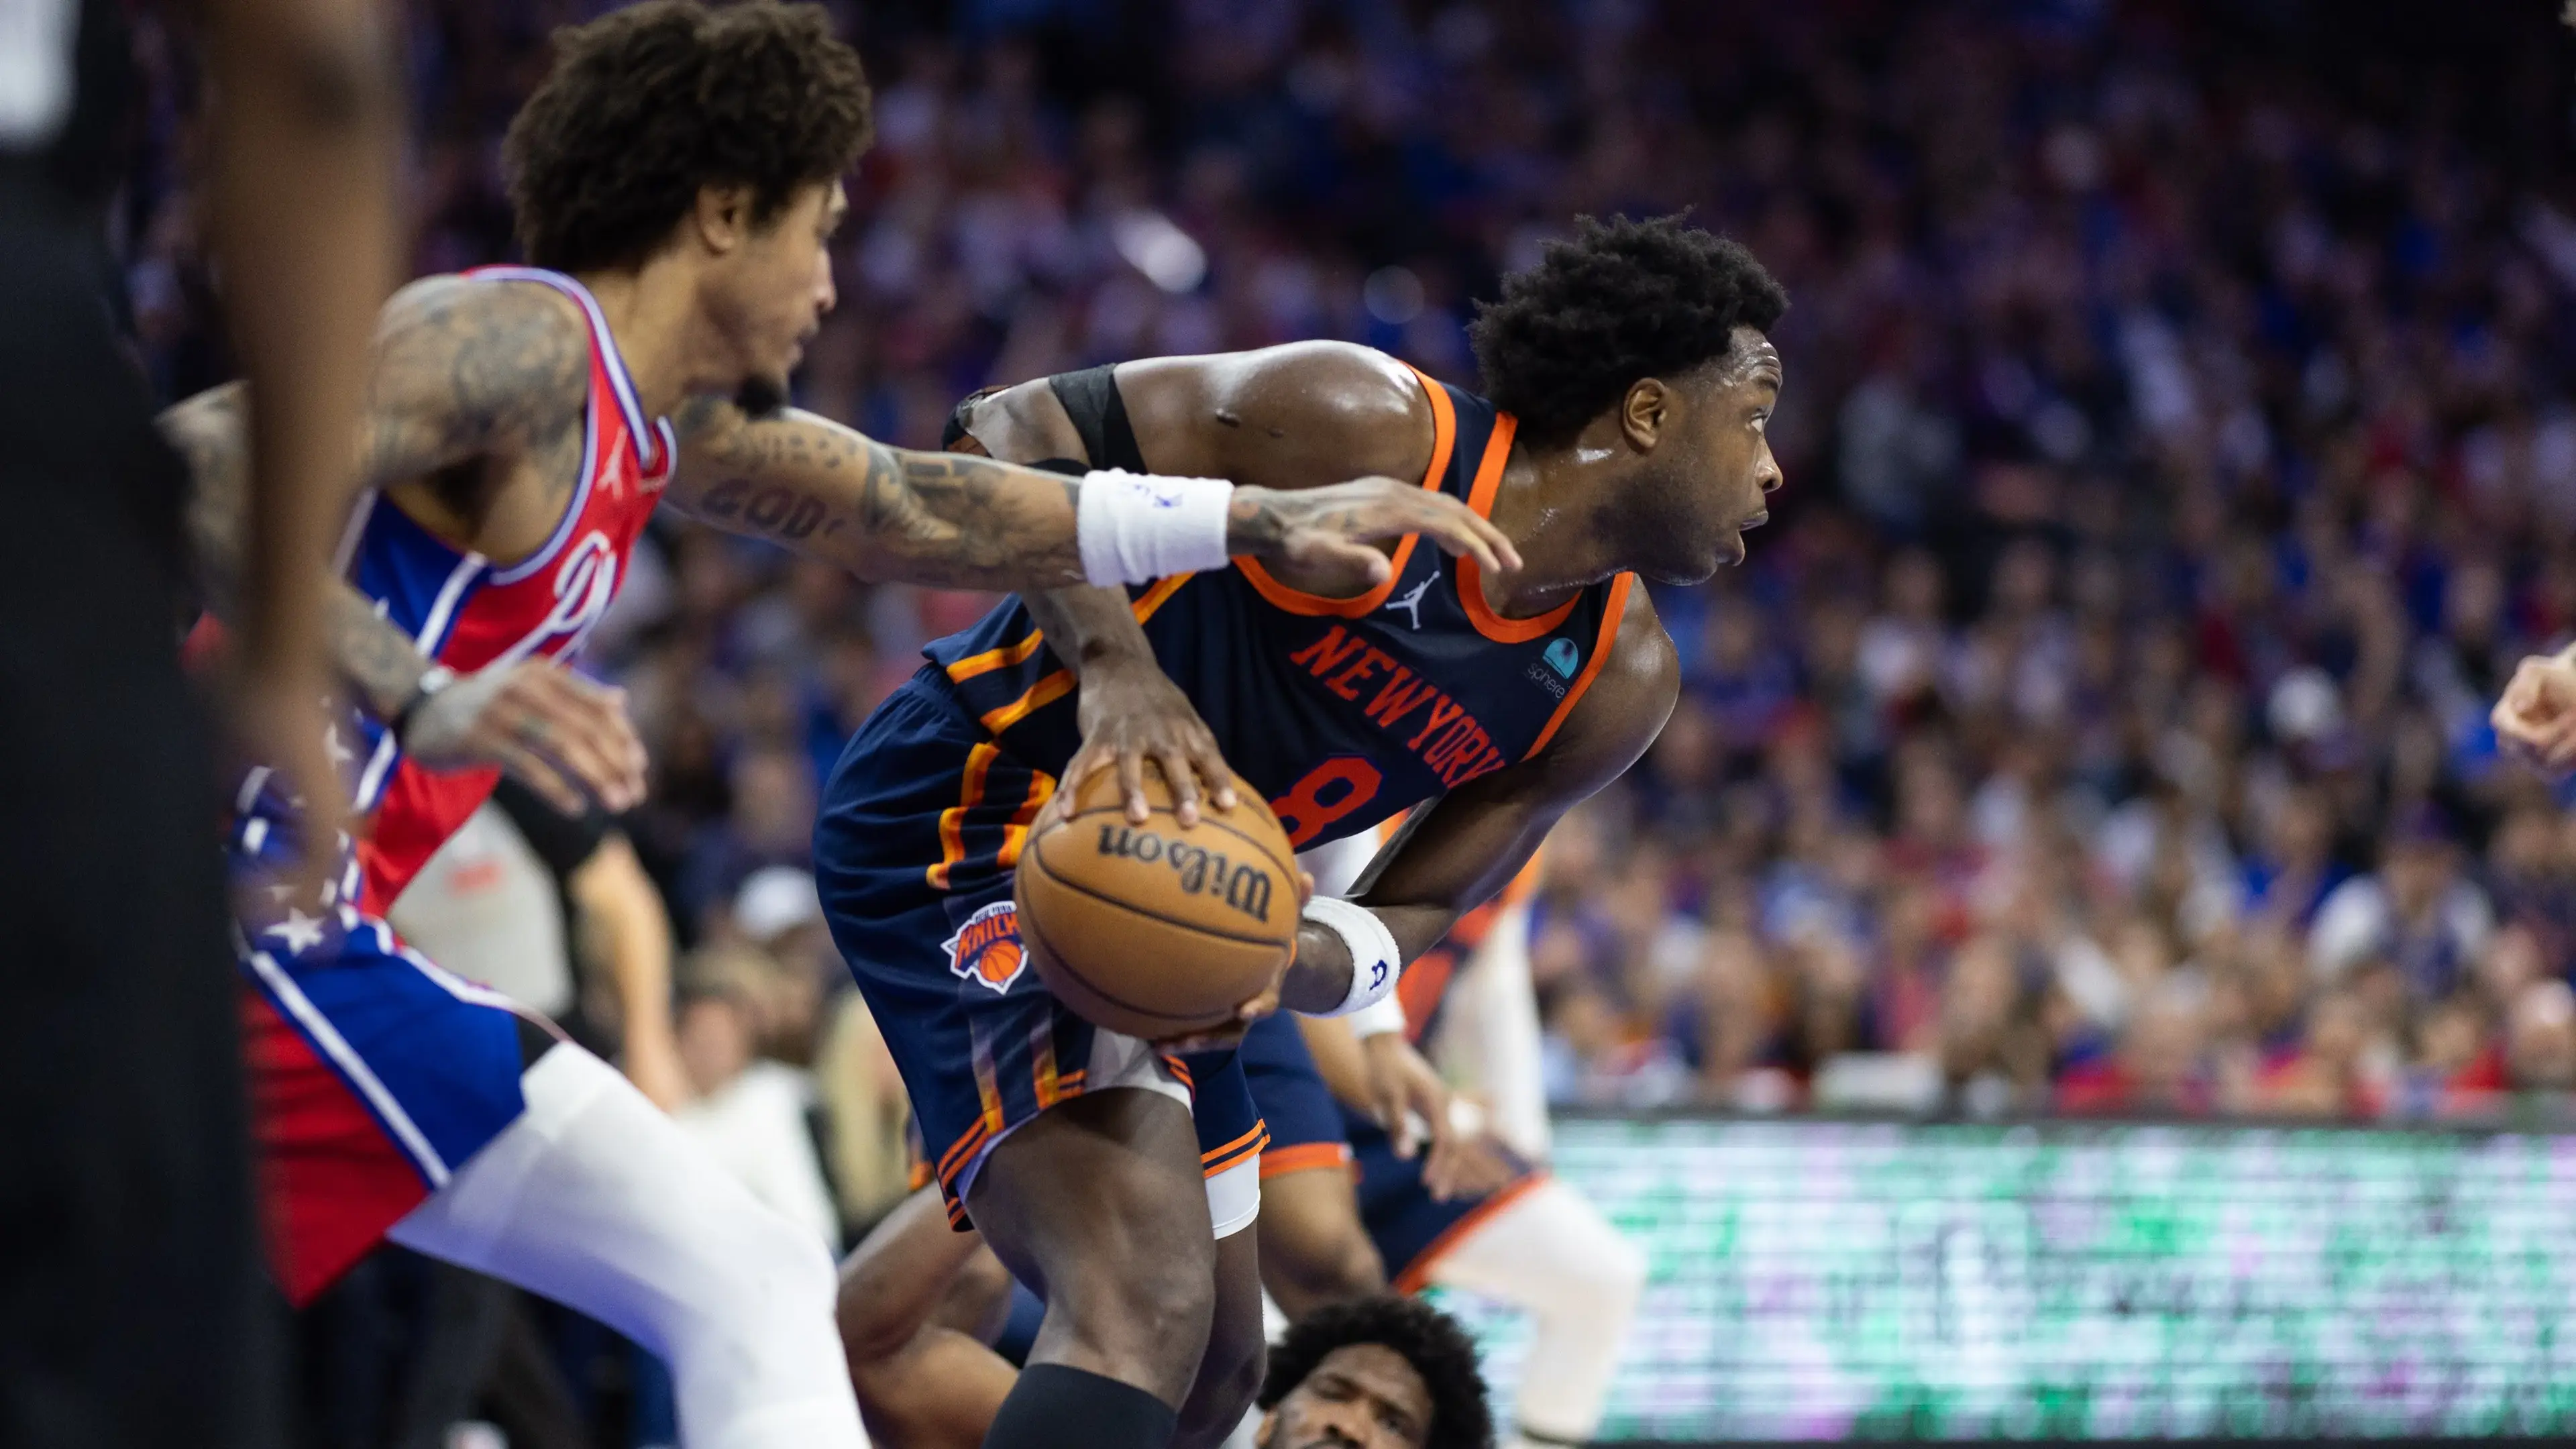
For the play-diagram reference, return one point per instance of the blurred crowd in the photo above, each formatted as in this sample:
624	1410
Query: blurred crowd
2179	449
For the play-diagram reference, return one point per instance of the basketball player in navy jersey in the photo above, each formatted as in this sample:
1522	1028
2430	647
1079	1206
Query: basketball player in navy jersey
1630	382
521	425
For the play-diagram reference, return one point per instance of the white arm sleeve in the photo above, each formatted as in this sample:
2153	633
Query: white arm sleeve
1489	1035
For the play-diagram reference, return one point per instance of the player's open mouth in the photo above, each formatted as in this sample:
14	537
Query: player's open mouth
1756	521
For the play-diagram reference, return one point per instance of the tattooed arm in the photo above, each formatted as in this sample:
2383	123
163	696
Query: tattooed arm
462	373
969	522
885	513
459	370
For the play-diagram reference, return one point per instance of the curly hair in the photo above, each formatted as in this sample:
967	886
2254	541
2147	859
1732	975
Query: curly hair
1622	300
646	104
1429	1339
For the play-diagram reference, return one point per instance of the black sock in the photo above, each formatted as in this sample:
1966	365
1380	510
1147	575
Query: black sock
1054	1407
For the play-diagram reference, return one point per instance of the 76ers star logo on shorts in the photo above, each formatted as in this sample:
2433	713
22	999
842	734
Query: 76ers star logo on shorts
986	950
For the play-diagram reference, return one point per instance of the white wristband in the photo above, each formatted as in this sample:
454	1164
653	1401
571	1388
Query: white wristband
1133	528
1375	962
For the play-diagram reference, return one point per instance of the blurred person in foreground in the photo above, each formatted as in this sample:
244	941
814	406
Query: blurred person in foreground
521	426
129	1260
921	1307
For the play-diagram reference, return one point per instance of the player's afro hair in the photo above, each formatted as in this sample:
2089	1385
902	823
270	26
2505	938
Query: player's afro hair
645	105
1621	301
1429	1339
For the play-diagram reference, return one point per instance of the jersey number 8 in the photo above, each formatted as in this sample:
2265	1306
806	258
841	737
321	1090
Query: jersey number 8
1330	791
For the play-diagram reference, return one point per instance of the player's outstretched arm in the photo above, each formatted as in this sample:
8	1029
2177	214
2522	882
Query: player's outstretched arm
959	520
460	370
918	1305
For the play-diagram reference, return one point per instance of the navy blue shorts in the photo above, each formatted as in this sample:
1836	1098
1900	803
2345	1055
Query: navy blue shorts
1309	1129
921	825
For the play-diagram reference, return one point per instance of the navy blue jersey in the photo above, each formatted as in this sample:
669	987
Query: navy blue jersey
1340	712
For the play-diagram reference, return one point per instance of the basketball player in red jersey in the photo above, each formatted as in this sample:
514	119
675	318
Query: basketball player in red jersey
1630	382
675	182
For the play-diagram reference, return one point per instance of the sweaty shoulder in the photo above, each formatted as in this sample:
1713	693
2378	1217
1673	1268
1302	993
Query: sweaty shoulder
1299	415
1626	705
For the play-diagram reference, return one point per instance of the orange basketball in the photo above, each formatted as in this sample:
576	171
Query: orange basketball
1152	929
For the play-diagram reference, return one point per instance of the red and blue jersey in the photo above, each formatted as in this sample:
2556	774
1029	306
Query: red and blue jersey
374	1075
469	612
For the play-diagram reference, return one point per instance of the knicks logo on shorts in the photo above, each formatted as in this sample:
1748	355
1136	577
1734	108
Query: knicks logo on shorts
986	950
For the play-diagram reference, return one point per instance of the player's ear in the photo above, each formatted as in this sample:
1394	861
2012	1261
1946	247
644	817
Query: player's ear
722	217
1268	1430
1644	412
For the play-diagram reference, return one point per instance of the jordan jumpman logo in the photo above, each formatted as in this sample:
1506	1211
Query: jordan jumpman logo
1411	603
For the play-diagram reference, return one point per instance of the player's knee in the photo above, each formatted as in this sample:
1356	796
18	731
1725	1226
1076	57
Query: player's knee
1146	1302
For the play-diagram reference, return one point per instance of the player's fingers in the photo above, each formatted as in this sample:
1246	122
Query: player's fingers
1209	763
1456	528
1333	551
1397	1121
594	708
629	744
578	745
1183	778
539	774
1086	761
2517	712
1457	1169
1434	1110
1131	784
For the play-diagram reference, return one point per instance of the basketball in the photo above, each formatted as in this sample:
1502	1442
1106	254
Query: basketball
1156	930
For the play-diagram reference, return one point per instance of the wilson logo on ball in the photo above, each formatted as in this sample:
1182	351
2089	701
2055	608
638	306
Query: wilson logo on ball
1244	887
986	950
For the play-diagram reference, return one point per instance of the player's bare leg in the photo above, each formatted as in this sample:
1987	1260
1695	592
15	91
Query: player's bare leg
1099	1205
919	1304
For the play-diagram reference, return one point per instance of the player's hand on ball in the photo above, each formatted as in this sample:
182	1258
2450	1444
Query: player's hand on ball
2535	720
1334	526
1131	714
567	738
1408	1098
